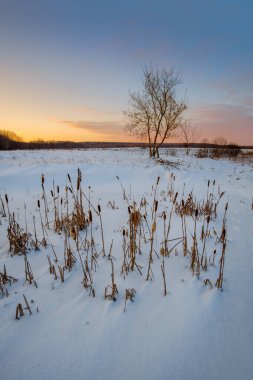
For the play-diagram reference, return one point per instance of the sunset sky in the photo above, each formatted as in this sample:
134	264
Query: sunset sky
67	66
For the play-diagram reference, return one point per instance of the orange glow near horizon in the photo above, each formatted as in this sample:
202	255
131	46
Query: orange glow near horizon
58	131
33	126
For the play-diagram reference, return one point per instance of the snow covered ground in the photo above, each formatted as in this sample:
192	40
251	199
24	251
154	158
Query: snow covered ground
194	332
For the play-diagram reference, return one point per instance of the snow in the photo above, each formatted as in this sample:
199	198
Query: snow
194	332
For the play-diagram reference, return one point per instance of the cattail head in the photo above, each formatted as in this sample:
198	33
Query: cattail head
124	232
156	205
99	208
38	203
69	178
73	233
175	198
6	198
58	189
79	173
90	216
42	179
208	183
158	179
51	191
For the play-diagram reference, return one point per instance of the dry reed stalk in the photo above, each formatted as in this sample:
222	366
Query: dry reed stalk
207	281
123	190
18	239
223	239
2	209
46	209
44	232
27	305
28	272
203	260
184	232
52	268
55	257
150	275
125	265
5	279
19	311
102	232
61	271
113	287
7	204
154	198
164	278
129	295
134	225
169	226
35	241
195	264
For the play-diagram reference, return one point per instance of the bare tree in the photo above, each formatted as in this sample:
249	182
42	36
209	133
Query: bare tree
188	134
220	141
154	114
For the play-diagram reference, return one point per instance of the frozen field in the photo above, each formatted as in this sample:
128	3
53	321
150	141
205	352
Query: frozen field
196	331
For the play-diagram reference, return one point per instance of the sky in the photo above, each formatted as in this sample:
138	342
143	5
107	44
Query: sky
67	66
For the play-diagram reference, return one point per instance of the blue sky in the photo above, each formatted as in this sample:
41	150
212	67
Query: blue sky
67	66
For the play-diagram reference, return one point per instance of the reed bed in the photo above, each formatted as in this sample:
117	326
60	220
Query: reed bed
148	237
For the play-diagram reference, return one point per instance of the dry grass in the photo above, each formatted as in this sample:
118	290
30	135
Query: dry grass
71	214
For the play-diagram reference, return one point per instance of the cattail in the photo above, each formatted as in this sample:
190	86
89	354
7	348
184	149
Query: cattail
38	203
42	179
6	198
156	205
99	208
73	233
158	179
90	216
175	198
58	189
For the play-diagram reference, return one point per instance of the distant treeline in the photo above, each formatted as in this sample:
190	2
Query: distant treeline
10	141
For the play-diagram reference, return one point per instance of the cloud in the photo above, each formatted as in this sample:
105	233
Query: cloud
105	128
234	122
